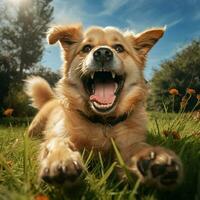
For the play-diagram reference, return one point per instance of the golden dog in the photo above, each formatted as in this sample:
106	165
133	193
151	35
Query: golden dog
100	96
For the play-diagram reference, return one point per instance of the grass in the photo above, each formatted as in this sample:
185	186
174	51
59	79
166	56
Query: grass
18	166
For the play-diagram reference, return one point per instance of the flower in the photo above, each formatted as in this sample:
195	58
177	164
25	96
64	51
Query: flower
190	91
173	134
9	163
8	112
174	91
41	197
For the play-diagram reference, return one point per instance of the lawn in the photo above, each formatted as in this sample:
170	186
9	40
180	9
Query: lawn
18	165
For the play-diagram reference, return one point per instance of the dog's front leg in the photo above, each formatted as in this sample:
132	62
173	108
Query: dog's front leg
153	165
59	161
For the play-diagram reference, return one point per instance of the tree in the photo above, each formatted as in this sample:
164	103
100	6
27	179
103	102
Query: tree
50	76
22	32
5	76
181	72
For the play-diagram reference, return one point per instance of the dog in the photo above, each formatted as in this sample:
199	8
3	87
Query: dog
99	99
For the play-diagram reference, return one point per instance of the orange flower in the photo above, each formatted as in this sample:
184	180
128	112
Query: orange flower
9	163
191	91
174	134
8	112
198	97
41	197
174	91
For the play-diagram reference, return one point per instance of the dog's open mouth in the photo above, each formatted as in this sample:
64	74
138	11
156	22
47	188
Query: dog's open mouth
103	87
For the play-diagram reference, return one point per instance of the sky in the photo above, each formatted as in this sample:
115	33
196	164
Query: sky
182	18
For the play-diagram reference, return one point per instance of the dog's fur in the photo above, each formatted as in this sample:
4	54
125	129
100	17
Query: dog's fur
65	114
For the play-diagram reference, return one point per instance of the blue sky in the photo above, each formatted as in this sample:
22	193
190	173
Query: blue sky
182	18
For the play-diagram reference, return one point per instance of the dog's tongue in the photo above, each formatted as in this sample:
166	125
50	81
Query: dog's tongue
103	92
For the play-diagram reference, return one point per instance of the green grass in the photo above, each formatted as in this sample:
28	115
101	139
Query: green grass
18	166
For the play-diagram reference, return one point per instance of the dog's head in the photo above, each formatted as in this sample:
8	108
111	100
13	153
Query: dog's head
103	67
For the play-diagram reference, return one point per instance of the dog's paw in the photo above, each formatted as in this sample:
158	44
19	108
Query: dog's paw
158	166
61	167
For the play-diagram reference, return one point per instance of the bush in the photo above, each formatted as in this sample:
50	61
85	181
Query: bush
181	72
14	97
15	121
18	101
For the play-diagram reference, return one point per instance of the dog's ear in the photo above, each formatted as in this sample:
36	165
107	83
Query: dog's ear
144	41
67	35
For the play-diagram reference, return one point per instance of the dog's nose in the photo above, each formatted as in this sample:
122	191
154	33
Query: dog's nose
103	55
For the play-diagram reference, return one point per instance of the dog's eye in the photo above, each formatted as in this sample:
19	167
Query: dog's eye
119	48
87	48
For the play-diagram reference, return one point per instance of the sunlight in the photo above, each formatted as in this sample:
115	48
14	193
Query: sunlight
17	2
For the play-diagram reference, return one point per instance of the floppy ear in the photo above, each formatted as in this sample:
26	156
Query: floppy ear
144	41
67	35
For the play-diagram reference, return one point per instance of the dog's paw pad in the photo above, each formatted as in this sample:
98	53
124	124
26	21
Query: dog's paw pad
159	167
143	166
59	172
169	178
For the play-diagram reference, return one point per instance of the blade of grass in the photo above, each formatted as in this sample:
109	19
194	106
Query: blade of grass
101	163
25	162
89	158
121	161
106	175
8	170
134	191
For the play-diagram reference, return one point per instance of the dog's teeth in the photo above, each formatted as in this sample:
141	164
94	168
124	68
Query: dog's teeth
92	75
113	75
102	105
93	91
116	86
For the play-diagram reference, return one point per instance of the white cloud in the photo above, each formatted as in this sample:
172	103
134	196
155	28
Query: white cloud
111	6
68	12
174	23
137	27
179	46
149	22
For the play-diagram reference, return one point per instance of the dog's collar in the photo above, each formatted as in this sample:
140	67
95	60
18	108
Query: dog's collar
110	121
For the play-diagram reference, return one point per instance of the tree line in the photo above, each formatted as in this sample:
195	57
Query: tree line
174	86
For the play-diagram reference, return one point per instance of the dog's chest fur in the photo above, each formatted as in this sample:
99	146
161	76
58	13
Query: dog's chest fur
88	135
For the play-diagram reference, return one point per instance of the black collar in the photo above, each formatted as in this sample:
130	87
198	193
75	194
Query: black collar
110	121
